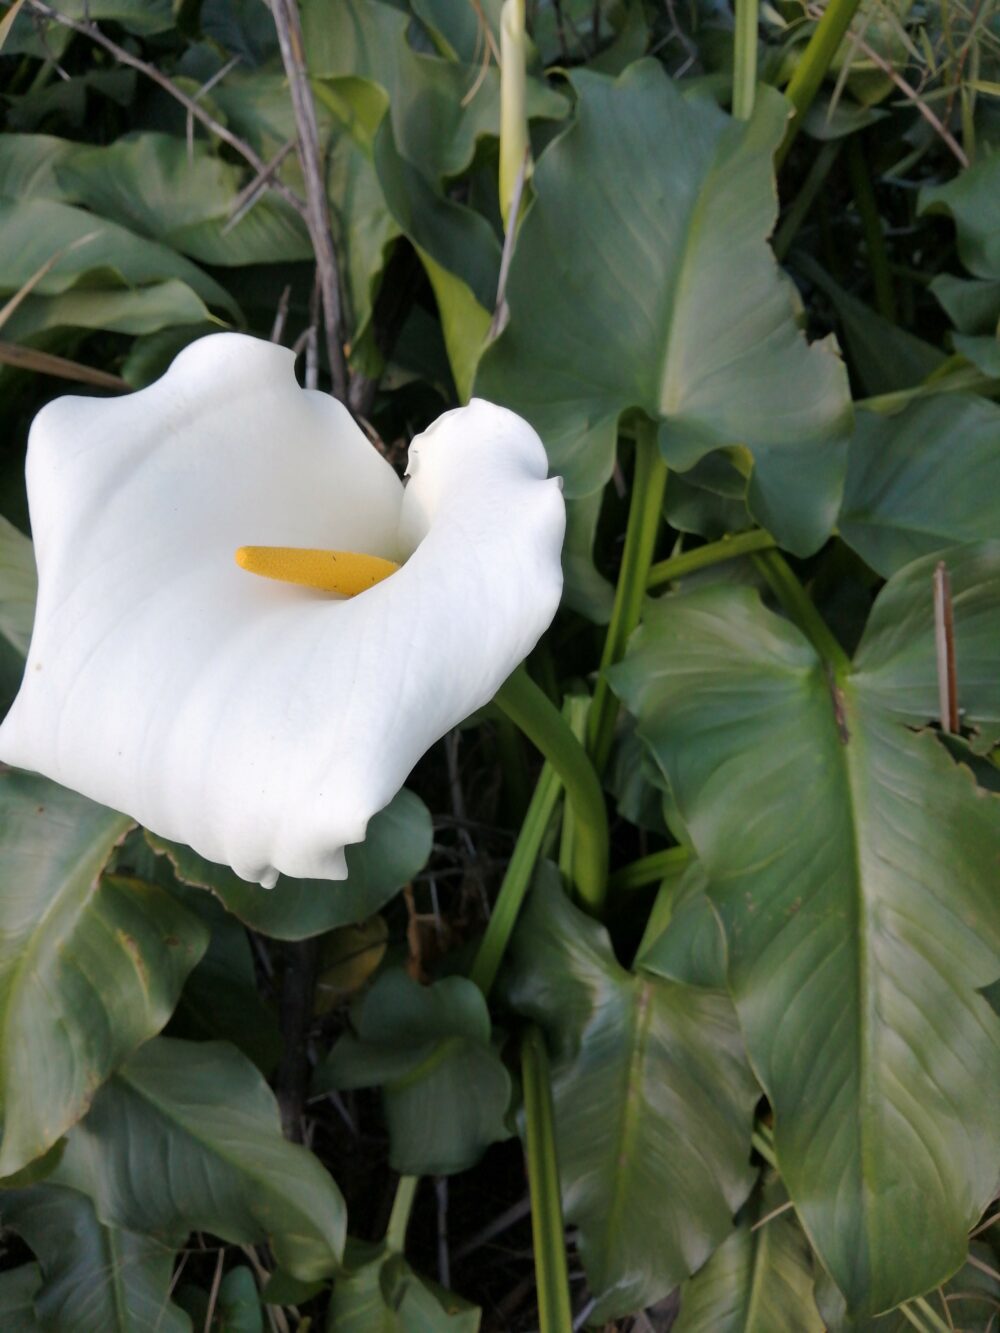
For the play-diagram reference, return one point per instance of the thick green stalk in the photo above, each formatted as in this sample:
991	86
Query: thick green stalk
516	880
640	539
744	59
816	59
555	1314
543	724
649	869
798	211
871	225
399	1218
793	597
688	562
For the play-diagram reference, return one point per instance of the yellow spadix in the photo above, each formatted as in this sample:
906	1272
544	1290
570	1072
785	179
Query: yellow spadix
346	572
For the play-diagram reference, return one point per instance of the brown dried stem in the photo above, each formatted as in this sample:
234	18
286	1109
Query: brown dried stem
317	214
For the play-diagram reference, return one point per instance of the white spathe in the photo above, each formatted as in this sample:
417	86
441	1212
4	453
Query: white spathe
262	723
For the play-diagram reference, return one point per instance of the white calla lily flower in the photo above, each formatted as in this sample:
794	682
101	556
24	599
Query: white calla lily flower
261	722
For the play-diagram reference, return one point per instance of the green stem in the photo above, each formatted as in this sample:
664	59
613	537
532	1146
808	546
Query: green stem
813	65
555	1313
575	709
792	596
688	562
539	719
516	880
871	225
663	909
804	200
640	539
399	1218
744	59
649	869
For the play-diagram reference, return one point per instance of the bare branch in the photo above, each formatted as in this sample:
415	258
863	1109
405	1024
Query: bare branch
151	72
317	215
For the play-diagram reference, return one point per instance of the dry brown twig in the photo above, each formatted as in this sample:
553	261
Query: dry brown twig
910	93
317	214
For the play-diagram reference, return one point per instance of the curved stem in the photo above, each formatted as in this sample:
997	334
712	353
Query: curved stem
399	1218
542	723
744	59
728	548
812	67
555	1313
516	880
640	538
792	596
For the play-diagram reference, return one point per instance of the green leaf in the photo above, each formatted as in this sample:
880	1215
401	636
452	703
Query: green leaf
970	201
923	479
445	1089
972	305
380	1293
853	865
586	590
239	1309
883	356
96	1278
689	945
18	1287
642	279
28	164
220	999
434	122
187	1137
18	587
153	185
760	1280
653	1104
898	653
89	967
95	254
396	847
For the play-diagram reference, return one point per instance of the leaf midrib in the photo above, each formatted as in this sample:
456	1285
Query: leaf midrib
641	1019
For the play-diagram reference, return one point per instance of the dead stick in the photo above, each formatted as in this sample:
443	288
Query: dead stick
289	29
944	639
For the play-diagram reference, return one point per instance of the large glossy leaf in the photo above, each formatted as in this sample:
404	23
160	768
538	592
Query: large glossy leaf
380	1293
922	479
89	967
642	279
857	889
187	1137
759	1280
445	1090
95	1278
653	1104
158	187
396	846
